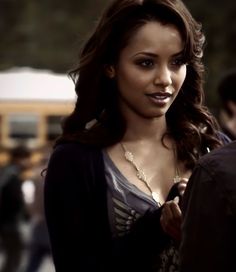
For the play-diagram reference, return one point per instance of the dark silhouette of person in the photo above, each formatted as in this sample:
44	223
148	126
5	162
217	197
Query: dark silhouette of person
12	207
39	246
227	94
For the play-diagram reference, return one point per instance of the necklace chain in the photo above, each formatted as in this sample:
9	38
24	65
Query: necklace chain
141	174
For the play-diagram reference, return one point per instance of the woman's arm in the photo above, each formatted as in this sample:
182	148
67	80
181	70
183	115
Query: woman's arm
70	214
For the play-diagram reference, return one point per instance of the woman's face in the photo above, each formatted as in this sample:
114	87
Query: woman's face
150	70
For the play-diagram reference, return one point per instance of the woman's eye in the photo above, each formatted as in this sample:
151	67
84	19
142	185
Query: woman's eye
146	63
178	62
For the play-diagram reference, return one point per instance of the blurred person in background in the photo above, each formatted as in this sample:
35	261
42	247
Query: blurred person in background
39	246
12	208
227	94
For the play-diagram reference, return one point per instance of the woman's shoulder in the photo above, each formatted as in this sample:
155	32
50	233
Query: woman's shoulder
72	159
74	151
75	147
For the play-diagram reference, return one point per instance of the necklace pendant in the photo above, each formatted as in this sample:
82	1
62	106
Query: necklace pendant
129	156
141	175
176	179
155	197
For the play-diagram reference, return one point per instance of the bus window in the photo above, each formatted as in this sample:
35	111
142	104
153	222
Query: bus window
23	126
54	126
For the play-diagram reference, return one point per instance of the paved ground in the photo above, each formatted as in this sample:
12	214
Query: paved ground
46	266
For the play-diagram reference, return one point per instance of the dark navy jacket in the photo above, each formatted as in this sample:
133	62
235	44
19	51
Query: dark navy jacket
209	210
77	217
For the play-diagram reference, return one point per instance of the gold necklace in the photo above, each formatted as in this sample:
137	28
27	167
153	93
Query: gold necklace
141	174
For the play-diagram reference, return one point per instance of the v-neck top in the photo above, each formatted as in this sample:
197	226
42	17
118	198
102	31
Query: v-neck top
126	202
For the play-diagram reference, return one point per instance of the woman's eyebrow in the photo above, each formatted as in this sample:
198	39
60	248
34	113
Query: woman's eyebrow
179	54
150	54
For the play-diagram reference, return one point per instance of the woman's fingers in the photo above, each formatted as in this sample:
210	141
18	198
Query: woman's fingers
171	210
171	230
171	218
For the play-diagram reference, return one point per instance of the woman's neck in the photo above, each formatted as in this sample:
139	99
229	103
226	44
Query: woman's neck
145	129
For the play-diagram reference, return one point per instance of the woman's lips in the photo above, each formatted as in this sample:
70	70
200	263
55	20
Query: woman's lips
159	98
160	95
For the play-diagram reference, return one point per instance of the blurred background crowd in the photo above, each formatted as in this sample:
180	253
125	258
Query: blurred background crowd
40	41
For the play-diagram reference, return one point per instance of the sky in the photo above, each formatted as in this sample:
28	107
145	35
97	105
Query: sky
31	84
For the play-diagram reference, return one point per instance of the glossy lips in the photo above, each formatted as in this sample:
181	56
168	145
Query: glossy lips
160	98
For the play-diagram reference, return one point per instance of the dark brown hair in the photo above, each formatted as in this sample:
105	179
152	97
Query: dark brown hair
189	122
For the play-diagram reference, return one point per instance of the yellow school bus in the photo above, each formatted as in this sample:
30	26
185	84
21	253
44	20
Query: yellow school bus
32	105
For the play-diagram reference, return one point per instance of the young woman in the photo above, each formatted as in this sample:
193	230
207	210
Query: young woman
137	129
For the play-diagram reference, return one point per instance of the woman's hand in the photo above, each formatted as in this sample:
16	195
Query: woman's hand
171	217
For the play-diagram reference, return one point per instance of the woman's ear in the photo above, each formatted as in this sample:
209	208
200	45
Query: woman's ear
110	71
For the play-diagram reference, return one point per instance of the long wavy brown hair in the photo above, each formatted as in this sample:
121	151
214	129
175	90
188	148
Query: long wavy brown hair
96	119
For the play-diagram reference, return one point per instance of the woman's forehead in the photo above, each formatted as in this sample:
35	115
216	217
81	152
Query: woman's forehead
153	37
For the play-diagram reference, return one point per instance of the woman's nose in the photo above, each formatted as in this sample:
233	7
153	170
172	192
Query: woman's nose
163	76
